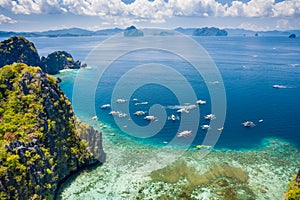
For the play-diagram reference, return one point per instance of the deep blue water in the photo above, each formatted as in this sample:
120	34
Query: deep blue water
249	66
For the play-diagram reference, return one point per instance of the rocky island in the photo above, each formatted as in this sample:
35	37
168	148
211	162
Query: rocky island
293	35
209	32
20	50
41	141
132	31
59	60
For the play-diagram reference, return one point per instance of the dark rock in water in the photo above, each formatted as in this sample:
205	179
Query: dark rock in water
132	31
41	141
20	50
83	65
256	35
59	60
58	80
209	32
292	36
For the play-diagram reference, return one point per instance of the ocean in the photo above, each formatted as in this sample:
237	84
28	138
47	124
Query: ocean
249	67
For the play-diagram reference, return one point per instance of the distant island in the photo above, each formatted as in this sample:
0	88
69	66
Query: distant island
292	36
209	32
132	30
70	32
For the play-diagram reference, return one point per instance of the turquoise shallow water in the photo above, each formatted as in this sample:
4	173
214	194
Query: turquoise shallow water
249	67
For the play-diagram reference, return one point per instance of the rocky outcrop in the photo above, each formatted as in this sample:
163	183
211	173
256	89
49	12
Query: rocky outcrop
41	142
132	31
209	32
292	36
18	49
59	60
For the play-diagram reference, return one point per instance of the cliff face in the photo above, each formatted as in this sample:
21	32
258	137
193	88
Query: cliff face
59	60
41	142
18	49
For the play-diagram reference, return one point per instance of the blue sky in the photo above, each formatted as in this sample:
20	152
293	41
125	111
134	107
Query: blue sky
40	15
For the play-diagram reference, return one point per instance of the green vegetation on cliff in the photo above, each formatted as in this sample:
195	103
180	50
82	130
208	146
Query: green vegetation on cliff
40	143
293	192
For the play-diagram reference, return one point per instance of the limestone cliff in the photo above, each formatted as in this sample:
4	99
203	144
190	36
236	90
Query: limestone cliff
41	142
18	49
59	60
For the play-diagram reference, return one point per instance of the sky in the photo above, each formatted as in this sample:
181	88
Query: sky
41	15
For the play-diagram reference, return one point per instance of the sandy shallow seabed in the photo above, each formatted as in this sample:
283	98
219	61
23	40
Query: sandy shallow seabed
251	174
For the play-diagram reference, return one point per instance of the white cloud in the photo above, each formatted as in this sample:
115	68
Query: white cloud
284	24
287	8
4	20
252	26
156	11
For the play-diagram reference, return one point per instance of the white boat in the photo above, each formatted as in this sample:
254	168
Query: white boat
122	115
220	129
204	127
173	117
214	82
142	103
113	112
210	117
150	118
201	102
192	106
95	118
248	124
279	86
184	134
183	110
105	106
139	113
135	99
260	121
121	100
